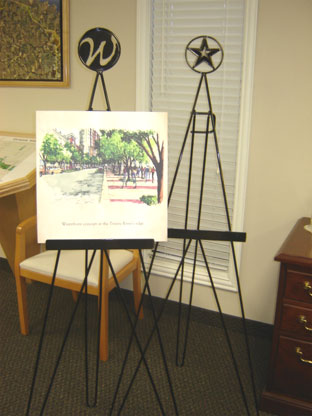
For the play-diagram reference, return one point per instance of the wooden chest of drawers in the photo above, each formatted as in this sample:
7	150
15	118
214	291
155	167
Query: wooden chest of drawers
289	384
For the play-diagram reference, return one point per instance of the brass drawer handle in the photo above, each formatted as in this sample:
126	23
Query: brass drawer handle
300	353
303	320
307	286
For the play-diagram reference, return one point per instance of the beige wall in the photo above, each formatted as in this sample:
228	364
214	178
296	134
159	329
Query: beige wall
280	170
279	177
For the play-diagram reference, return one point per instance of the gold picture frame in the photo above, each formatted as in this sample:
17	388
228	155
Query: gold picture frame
34	43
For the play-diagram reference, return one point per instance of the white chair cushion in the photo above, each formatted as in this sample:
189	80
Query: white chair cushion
71	265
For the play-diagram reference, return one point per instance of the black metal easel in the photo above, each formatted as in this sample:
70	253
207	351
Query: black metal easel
203	64
98	37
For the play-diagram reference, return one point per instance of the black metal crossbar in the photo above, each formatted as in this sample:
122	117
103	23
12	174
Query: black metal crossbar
206	235
122	244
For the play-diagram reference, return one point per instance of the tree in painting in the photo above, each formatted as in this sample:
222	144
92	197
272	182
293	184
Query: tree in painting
51	151
150	144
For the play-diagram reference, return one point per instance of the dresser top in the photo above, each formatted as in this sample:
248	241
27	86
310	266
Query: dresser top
297	248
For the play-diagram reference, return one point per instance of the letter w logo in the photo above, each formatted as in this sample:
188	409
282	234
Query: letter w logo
93	54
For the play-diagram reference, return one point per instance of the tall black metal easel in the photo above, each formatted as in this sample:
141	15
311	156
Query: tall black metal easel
101	61
202	63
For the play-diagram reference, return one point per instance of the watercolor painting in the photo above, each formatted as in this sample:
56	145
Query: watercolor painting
101	175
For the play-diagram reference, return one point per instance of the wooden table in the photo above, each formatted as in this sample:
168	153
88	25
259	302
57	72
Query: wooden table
289	384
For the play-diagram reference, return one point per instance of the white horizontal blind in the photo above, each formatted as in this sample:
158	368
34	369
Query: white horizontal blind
173	86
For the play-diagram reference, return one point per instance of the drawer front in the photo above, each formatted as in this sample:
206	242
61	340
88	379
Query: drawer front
293	370
297	321
299	286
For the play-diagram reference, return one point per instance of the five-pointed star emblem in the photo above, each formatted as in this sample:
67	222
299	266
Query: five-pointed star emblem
204	54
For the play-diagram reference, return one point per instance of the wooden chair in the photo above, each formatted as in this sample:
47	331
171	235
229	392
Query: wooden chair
32	264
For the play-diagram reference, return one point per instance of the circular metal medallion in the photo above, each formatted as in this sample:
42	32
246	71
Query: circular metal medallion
204	54
99	49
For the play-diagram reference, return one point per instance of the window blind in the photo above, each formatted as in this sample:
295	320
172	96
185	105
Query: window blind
173	86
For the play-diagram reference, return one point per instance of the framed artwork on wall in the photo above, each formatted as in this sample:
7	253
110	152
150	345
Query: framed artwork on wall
34	43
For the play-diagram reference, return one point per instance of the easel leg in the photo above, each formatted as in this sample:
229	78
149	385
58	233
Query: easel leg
99	74
42	334
142	359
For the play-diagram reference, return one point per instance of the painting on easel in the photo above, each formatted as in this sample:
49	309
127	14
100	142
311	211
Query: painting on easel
101	175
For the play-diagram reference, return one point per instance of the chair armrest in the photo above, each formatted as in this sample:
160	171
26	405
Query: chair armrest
27	224
26	240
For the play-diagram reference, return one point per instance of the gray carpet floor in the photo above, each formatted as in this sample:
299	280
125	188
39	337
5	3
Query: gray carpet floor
205	385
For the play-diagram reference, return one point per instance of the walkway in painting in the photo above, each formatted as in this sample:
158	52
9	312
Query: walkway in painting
115	189
92	186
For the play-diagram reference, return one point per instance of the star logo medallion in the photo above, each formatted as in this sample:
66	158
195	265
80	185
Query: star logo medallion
204	54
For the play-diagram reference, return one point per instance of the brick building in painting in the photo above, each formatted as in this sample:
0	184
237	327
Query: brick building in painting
87	140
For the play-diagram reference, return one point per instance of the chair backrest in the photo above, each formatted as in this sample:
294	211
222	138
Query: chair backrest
26	243
32	246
